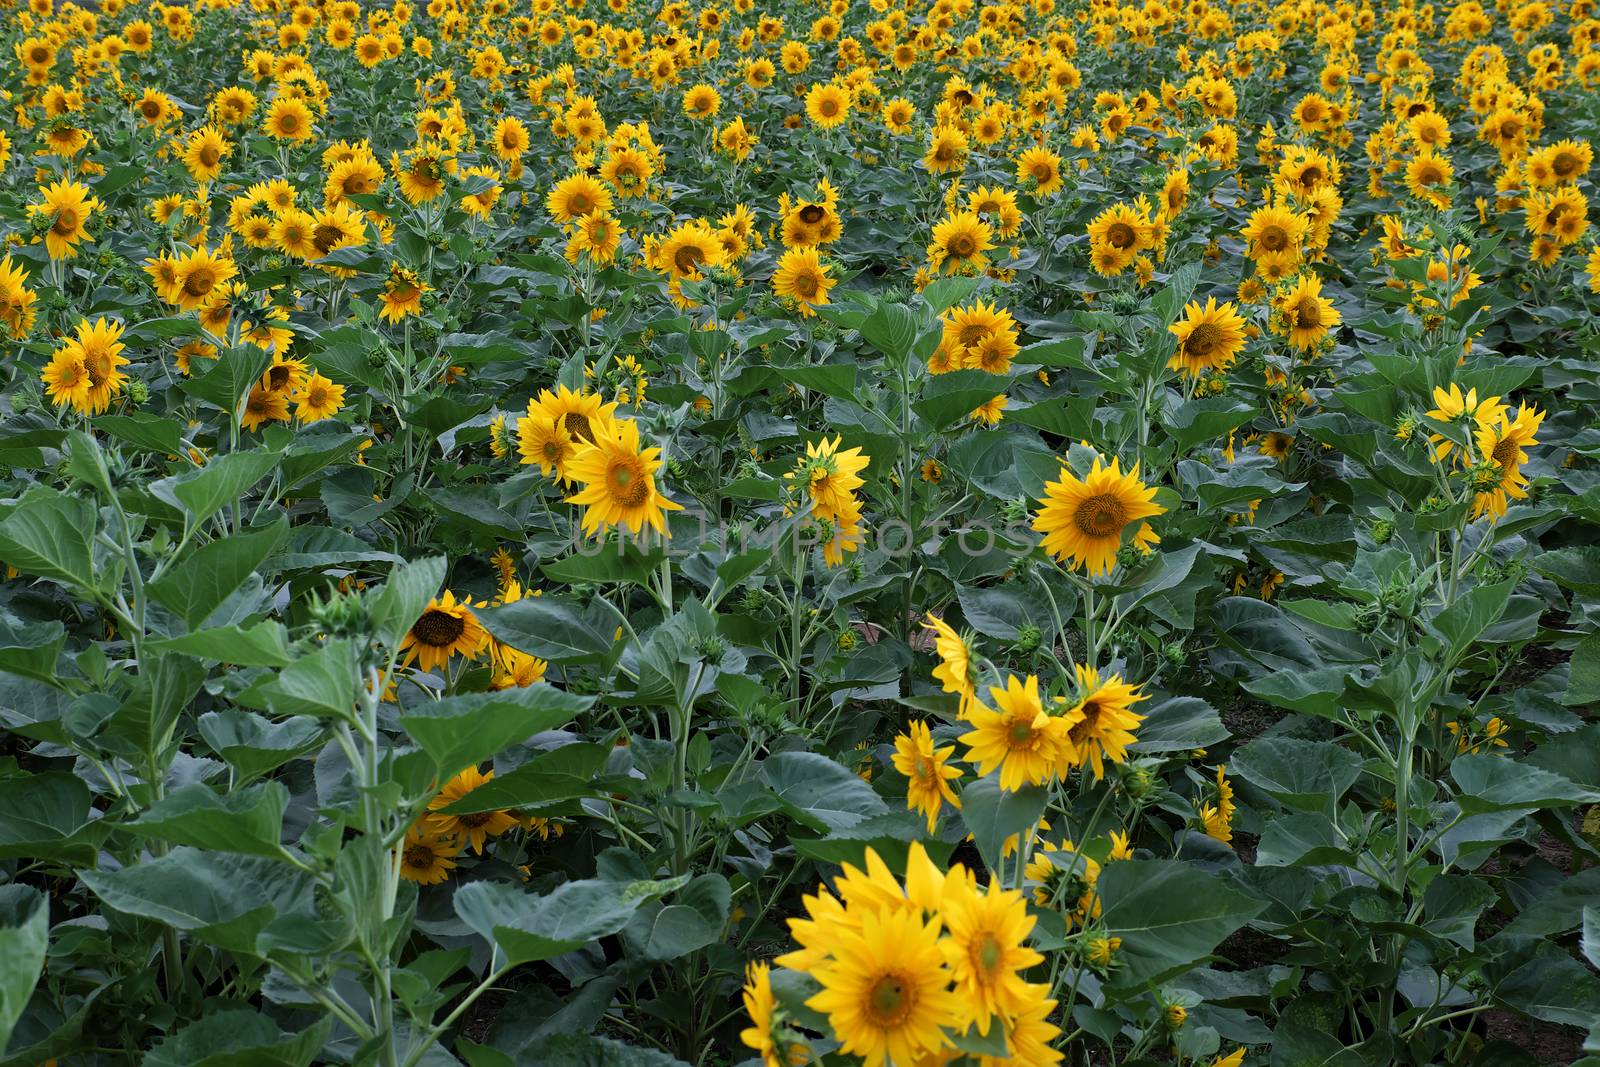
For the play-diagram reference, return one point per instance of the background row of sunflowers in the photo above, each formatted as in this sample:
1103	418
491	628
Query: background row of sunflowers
873	532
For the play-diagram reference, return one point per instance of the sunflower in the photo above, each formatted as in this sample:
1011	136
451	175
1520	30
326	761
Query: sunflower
262	406
619	484
1019	739
843	532
288	119
956	670
1451	406
997	207
1307	316
947	150
1502	443
86	370
294	234
1084	519
577	196
1275	233
17	312
597	236
688	251
516	670
1102	722
898	115
511	139
1029	1035
1042	167
1208	337
582	415
1175	193
986	951
830	476
204	154
421	176
1427	175
359	175
959	243
474	828
67	206
762	1007
319	398
827	105
802	277
927	772
425	857
1123	228
886	991
447	627
402	294
198	272
546	441
809	223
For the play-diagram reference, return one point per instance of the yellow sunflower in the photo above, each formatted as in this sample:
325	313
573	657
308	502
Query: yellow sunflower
927	772
425	857
1083	519
475	827
619	483
1209	337
447	627
1102	722
1023	742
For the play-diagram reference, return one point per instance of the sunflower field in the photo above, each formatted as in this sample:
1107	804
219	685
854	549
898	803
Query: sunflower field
799	533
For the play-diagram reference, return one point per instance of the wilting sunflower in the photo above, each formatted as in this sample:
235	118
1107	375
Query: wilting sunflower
425	857
1083	519
1019	739
1208	337
1102	722
927	771
1502	443
447	627
986	951
474	827
886	991
959	243
67	206
802	277
619	483
1307	316
955	672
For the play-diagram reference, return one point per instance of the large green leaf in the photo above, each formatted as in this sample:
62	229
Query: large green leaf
400	601
198	584
24	936
1312	775
49	533
526	927
464	730
556	628
1499	783
547	779
253	745
42	816
819	792
993	814
1169	915
247	820
239	1037
202	493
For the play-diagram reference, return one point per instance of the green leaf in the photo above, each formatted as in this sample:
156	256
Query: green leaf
992	814
1541	979
819	792
401	600
829	379
1311	775
49	533
229	377
555	628
1559	908
526	927
202	493
1499	783
892	329
144	430
462	731
1577	569
31	650
239	1038
572	1050
1314	692
24	936
1179	724
1169	915
1451	906
1473	612
948	398
1211	418
248	821
224	899
1583	683
254	745
266	644
1589	940
322	683
548	779
197	585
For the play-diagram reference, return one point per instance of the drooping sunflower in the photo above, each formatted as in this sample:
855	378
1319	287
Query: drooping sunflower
619	481
425	857
447	627
1103	721
959	243
1307	315
986	950
1083	519
927	772
474	827
1023	742
886	991
1209	337
802	277
1502	442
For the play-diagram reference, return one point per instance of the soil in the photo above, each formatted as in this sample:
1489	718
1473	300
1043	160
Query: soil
1549	1045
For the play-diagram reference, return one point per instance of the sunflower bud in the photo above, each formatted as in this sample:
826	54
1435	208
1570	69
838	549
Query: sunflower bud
138	392
1383	531
1028	637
